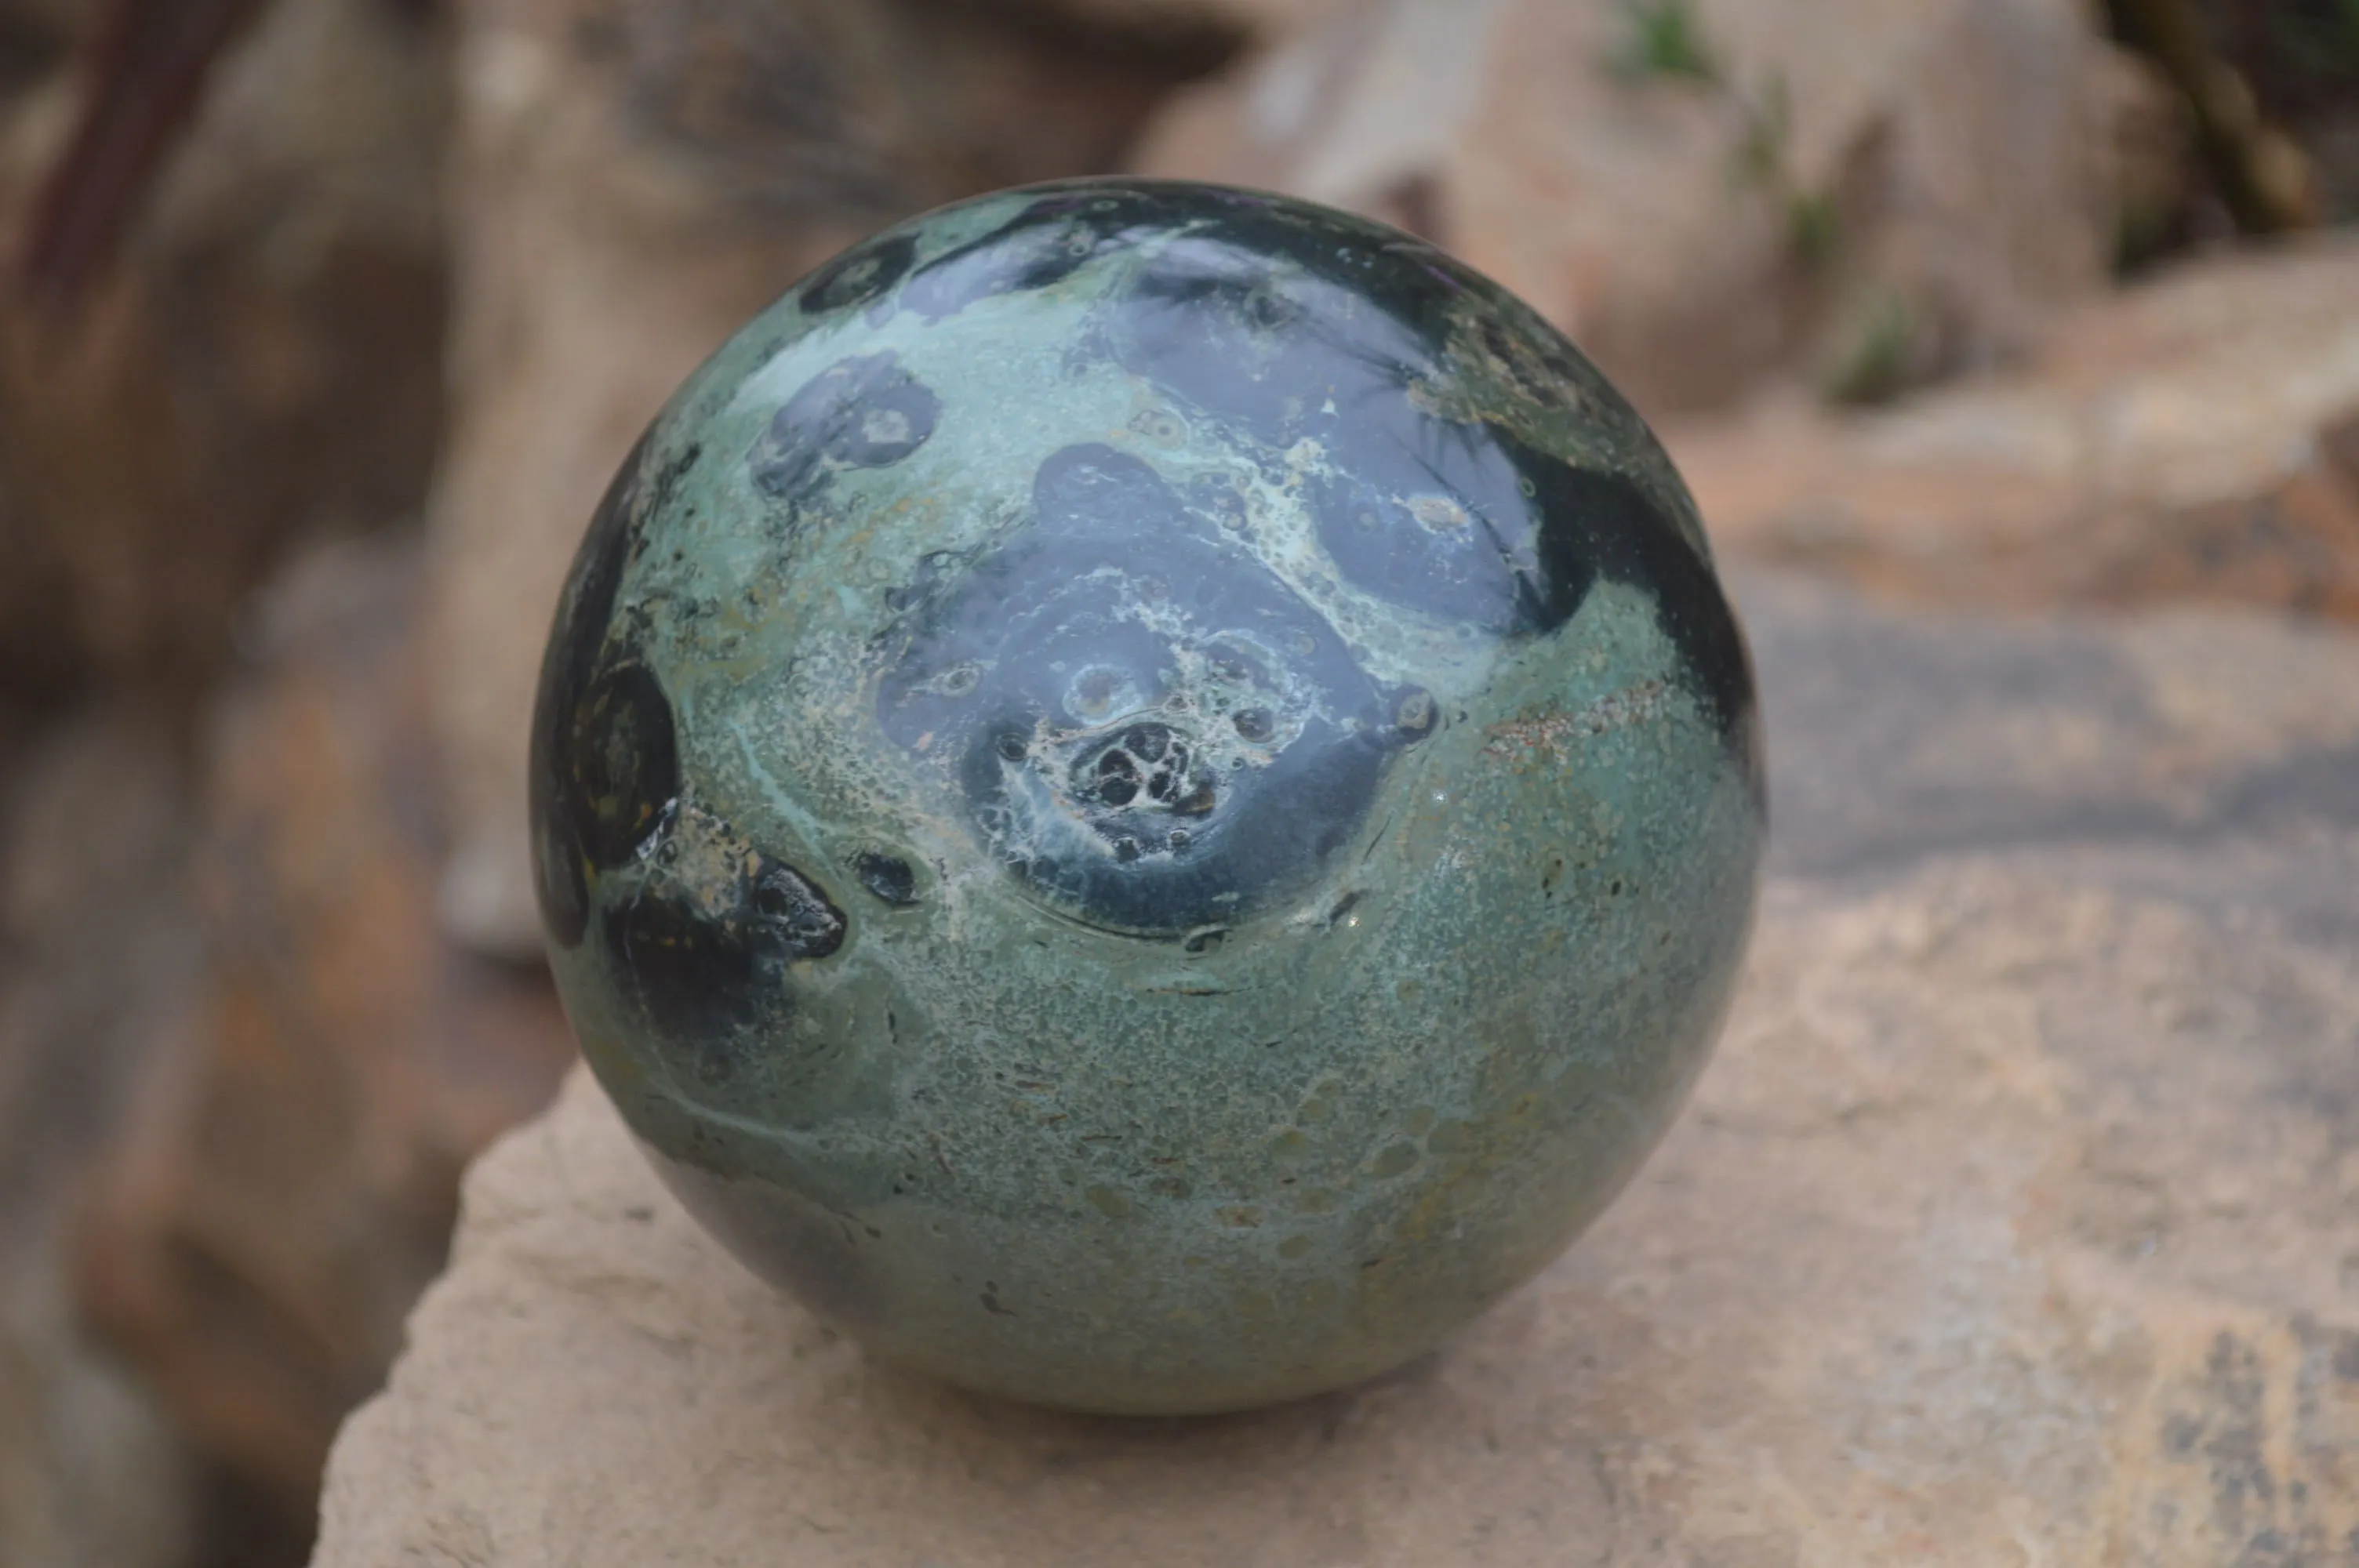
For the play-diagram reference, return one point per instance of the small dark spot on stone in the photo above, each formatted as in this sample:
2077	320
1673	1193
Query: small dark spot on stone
1116	783
1268	311
858	275
1253	724
710	973
1413	716
625	763
1179	838
865	412
1011	746
1205	941
639	1213
889	877
809	925
1045	243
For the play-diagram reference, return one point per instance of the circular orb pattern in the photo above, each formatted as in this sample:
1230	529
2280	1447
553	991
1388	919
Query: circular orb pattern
1145	796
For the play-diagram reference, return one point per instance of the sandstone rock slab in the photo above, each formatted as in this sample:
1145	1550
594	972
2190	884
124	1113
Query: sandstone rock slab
2017	1221
2195	438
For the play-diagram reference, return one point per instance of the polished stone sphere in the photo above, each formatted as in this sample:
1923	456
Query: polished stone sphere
1145	795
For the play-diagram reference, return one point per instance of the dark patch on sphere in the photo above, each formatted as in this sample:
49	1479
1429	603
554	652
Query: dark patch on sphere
1045	243
583	610
865	412
1147	726
625	763
887	877
858	276
707	966
1605	526
568	827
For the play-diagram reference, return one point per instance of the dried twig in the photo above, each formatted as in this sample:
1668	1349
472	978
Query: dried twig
146	73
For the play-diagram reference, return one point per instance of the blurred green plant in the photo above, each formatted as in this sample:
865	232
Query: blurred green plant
1876	346
1664	41
1873	342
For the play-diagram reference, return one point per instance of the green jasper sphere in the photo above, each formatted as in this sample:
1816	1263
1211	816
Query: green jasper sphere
1145	795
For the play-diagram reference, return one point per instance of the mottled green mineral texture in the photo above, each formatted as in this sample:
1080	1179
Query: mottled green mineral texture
1146	795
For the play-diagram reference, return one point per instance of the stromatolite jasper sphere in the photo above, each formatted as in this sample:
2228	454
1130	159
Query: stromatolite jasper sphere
1145	795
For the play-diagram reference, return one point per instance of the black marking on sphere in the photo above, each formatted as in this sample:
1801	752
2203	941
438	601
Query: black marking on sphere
1045	243
624	762
1125	820
584	612
889	877
707	966
865	412
563	833
859	276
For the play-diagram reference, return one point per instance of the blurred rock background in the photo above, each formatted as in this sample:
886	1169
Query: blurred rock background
326	322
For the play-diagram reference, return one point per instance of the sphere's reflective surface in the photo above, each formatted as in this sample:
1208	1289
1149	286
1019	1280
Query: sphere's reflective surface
1146	795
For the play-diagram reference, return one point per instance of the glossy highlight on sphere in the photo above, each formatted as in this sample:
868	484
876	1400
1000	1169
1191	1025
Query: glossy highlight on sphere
1145	795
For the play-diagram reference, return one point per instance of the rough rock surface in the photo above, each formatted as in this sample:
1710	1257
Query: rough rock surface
2194	437
2018	1220
283	1179
98	953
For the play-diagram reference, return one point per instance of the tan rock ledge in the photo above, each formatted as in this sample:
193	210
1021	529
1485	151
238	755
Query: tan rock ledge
2018	1223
